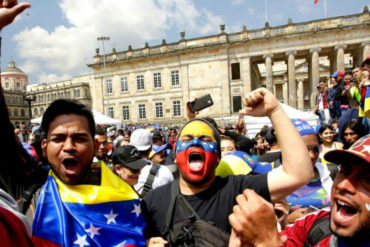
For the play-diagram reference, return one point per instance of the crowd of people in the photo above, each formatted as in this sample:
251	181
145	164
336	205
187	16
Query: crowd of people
199	184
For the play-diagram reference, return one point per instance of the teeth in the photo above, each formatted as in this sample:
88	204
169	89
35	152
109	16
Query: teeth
343	204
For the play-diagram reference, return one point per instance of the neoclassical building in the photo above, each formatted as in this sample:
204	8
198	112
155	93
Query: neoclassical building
153	84
77	88
14	82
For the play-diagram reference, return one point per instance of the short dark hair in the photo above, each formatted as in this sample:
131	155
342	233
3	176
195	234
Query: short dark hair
67	106
99	131
366	62
348	73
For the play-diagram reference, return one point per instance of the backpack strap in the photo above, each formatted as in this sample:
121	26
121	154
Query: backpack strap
175	190
150	179
319	230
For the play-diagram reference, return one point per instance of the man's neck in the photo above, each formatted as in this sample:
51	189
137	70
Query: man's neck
187	188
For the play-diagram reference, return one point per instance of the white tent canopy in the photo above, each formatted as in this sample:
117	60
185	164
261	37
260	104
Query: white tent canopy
254	124
99	118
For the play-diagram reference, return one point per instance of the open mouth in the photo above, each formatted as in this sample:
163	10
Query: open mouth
345	211
70	165
196	161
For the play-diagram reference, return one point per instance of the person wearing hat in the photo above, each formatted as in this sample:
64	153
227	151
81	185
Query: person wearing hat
347	222
336	93
274	153
153	175
127	163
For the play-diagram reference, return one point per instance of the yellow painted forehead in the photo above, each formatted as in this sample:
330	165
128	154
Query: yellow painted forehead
197	129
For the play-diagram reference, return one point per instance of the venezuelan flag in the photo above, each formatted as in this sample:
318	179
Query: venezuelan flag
364	110
88	215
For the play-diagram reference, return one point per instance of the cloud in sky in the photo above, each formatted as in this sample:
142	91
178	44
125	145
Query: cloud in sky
64	50
237	2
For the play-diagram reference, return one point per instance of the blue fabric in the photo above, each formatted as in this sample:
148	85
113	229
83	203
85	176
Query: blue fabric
303	127
65	223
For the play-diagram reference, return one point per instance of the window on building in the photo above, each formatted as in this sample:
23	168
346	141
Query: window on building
42	111
140	82
175	81
235	71
36	112
158	110
157	80
109	87
18	85
10	112
124	84
125	112
237	103
7	85
86	92
111	111
78	93
142	112
176	108
23	113
48	97
15	112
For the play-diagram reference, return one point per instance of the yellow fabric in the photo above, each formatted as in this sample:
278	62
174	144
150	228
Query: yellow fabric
232	165
197	129
112	188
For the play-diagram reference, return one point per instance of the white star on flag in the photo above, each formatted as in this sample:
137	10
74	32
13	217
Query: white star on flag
111	217
136	210
211	146
93	230
81	240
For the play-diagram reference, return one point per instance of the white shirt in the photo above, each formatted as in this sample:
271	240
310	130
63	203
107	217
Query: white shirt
162	177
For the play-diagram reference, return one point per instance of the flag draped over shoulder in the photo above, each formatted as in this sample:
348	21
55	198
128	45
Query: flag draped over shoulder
364	110
88	215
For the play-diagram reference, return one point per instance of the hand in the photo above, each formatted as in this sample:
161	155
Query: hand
260	103
234	240
296	214
156	242
222	130
253	220
9	9
282	210
191	115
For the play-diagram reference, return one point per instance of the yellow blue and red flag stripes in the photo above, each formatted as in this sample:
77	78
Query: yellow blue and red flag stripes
88	215
364	110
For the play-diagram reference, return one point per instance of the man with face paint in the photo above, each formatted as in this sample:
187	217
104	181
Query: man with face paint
197	155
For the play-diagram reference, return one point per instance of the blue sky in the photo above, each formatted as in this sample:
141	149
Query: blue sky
55	39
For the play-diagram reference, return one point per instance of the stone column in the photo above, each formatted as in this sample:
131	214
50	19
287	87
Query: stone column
268	63
314	75
246	74
285	92
292	90
340	57
366	50
300	93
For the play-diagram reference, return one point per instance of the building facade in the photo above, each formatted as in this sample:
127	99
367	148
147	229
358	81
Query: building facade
14	82
153	84
77	88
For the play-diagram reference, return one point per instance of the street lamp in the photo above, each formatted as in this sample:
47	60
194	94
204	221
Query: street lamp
29	97
103	38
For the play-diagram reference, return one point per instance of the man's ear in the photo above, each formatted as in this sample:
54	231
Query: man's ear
44	145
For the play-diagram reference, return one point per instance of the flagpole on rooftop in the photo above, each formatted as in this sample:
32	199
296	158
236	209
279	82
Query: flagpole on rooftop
266	18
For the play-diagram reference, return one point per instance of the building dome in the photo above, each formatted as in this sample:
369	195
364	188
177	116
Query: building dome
12	70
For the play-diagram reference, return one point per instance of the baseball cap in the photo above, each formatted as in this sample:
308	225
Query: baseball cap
128	156
156	135
303	127
157	150
237	162
337	73
359	152
141	139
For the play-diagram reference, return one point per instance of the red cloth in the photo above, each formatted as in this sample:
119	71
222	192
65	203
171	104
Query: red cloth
316	1
12	230
297	232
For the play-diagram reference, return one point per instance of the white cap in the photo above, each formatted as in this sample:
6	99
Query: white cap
141	139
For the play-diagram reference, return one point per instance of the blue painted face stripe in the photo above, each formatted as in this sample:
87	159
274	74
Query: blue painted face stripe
207	146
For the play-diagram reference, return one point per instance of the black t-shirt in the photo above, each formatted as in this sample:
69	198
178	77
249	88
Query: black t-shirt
214	204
